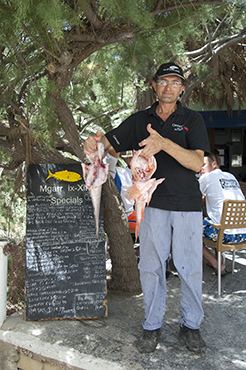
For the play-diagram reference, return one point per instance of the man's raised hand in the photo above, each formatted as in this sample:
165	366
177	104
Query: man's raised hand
90	144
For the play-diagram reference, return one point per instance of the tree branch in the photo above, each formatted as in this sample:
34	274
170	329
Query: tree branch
223	40
228	44
65	116
92	17
100	116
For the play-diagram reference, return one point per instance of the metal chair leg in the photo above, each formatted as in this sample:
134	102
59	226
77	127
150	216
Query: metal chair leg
219	274
223	258
233	260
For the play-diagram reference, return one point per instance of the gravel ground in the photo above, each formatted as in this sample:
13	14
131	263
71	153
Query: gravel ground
112	339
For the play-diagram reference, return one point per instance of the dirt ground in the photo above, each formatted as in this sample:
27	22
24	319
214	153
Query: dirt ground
112	339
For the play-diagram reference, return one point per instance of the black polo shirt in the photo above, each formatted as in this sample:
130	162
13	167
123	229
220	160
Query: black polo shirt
180	190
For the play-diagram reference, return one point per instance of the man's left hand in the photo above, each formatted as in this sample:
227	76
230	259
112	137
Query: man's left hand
153	143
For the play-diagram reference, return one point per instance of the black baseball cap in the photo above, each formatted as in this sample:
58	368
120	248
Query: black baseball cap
168	69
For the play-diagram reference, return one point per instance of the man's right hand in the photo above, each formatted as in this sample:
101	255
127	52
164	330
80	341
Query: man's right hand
90	144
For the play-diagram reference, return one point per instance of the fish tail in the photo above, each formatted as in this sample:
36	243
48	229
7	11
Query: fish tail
95	194
142	213
139	212
50	175
137	231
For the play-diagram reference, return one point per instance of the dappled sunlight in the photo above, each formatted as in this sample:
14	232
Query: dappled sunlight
173	292
240	256
172	321
240	292
233	282
239	361
208	298
37	332
240	364
225	299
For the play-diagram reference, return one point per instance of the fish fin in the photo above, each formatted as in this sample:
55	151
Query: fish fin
153	187
132	192
50	175
84	168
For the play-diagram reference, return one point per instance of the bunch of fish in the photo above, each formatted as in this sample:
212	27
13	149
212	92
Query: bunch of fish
95	175
143	186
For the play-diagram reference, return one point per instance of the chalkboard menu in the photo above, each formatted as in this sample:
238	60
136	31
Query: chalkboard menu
65	263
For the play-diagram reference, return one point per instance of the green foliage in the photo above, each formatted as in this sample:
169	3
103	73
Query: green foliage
102	89
44	121
99	82
12	211
134	12
4	158
201	70
53	16
100	85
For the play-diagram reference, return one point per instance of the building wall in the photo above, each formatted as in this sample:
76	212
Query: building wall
231	144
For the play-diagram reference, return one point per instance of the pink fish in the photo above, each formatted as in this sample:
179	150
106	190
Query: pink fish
143	186
95	175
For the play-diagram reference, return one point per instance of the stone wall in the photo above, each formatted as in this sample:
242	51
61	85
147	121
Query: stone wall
15	358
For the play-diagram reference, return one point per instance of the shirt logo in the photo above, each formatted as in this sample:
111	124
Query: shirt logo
228	184
115	138
177	127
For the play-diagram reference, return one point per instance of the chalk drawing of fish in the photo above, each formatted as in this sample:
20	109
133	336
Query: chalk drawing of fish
95	175
143	186
65	176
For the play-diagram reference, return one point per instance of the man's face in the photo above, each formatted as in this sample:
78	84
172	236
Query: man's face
168	94
207	166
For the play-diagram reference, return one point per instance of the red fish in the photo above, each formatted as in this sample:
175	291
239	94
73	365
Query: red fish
95	175
143	186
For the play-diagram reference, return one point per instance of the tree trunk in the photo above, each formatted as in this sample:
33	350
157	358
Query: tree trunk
125	274
66	117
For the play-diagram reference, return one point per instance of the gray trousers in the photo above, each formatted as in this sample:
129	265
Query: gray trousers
158	232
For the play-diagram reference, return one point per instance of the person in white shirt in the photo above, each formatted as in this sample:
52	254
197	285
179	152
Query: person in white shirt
216	186
123	180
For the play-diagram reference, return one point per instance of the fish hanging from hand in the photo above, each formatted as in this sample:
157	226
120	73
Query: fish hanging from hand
65	176
95	175
143	186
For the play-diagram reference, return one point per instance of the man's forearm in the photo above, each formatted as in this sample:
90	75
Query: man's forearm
191	159
105	142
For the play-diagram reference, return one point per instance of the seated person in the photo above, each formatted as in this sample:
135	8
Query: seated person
216	186
123	180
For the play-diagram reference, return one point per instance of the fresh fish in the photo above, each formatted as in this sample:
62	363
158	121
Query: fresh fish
143	186
65	176
95	175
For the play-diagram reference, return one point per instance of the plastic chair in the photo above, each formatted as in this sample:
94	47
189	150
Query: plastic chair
233	217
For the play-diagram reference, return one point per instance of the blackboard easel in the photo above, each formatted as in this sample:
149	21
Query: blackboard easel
65	263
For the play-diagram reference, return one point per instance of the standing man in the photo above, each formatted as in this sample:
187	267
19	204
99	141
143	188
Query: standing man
177	137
